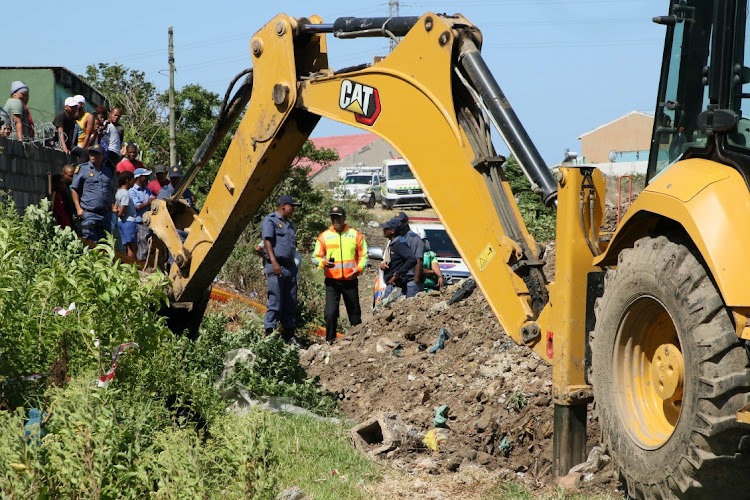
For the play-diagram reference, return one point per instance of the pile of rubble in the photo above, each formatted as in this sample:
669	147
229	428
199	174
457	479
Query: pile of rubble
479	400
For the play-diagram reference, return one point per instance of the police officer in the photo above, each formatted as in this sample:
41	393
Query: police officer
280	245
175	176
91	191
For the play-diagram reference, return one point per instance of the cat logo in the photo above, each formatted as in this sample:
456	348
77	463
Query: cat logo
361	100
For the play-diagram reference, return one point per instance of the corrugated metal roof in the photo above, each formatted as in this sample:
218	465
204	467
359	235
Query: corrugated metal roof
345	145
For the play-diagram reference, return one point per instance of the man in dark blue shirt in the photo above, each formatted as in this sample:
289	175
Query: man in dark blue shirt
400	259
280	245
175	176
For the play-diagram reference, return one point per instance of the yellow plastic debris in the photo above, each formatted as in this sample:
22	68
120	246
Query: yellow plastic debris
435	438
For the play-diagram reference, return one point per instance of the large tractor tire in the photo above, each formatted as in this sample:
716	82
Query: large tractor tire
669	375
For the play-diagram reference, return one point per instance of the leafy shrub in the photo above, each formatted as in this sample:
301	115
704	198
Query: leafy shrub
108	443
44	267
171	375
276	370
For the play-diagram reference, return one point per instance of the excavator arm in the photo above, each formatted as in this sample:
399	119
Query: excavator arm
433	99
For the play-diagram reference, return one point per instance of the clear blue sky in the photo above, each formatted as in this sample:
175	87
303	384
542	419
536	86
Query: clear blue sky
566	66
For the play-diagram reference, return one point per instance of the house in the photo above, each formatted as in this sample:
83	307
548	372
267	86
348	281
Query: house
26	167
625	140
48	88
357	149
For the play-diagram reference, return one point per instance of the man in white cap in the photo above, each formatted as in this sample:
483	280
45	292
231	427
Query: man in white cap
16	107
65	124
85	121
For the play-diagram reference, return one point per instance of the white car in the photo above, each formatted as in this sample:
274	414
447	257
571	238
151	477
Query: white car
451	264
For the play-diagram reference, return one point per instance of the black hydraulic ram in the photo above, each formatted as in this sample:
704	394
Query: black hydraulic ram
513	133
353	27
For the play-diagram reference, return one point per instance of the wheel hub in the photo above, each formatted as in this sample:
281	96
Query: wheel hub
649	368
667	372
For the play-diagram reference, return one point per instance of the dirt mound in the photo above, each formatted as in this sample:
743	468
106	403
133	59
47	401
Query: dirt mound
498	393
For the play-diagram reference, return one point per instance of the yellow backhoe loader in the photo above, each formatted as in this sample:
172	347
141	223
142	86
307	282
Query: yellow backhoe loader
651	322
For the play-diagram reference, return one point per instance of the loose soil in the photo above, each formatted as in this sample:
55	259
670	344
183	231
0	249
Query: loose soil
500	416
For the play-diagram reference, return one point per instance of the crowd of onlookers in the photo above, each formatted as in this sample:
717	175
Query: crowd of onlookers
105	187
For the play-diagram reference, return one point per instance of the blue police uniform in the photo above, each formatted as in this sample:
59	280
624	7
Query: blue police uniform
94	189
175	174
282	290
168	190
140	195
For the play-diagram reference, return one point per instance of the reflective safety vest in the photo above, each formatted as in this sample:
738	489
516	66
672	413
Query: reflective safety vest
348	250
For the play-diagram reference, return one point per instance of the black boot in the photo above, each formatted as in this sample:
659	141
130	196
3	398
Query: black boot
288	335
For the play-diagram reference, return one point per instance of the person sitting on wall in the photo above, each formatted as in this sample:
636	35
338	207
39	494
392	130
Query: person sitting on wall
17	107
65	125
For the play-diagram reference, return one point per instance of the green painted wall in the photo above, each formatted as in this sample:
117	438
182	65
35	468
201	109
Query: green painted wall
41	84
48	89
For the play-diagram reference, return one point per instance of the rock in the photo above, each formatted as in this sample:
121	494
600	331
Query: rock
467	453
453	463
533	364
544	401
596	460
424	396
483	458
292	493
379	434
571	481
437	308
484	422
428	465
470	397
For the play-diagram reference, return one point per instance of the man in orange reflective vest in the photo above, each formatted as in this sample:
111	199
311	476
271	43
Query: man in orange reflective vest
341	251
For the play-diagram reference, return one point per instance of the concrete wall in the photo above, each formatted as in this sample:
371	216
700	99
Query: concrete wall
24	170
622	168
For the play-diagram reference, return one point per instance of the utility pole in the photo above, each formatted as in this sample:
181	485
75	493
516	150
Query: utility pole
393	9
172	131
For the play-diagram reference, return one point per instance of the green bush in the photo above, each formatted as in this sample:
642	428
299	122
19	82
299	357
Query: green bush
160	428
108	443
44	267
276	370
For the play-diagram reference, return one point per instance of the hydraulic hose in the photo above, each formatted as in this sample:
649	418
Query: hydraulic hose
230	111
509	125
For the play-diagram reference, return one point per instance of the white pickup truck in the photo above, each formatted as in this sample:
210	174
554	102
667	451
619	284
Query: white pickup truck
364	187
400	188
